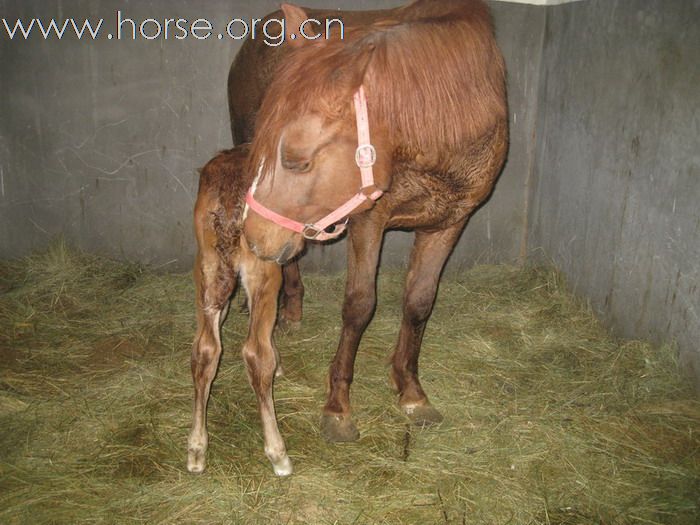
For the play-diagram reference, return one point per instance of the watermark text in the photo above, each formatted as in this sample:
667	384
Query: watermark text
273	31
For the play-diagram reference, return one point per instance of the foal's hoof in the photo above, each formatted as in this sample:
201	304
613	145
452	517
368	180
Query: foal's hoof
197	451
283	467
196	461
422	415
338	429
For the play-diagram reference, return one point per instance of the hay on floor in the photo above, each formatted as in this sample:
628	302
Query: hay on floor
548	419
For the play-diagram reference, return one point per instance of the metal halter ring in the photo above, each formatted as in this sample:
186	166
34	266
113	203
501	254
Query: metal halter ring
365	156
310	232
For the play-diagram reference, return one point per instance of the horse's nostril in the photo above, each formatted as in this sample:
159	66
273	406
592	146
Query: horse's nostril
286	253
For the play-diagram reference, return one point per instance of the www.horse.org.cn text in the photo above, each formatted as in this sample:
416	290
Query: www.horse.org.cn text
272	31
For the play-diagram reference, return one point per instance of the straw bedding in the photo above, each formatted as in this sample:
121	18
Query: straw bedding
548	418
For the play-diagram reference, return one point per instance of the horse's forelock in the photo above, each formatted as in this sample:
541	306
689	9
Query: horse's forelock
316	78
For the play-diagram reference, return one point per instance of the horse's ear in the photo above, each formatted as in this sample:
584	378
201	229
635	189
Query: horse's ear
294	16
354	73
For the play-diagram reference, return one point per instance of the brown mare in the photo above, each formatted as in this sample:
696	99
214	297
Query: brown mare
434	81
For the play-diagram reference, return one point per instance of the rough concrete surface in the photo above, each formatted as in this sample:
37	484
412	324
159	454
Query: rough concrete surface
615	204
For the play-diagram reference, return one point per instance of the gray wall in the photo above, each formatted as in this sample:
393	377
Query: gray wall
100	140
616	198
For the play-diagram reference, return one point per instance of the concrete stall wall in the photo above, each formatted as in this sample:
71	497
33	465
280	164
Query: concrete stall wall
616	197
100	140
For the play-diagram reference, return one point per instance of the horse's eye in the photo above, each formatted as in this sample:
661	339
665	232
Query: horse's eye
303	167
298	166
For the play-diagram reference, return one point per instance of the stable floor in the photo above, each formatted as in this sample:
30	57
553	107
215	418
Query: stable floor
548	418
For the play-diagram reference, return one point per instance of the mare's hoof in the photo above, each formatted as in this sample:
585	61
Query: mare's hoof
338	429
422	415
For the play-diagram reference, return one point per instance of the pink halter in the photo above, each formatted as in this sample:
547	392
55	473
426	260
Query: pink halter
365	157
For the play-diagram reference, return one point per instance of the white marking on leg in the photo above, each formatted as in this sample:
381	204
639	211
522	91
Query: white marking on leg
275	450
198	440
409	408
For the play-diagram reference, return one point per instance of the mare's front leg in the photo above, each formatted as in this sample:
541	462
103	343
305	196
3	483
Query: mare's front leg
262	281
214	281
430	251
364	244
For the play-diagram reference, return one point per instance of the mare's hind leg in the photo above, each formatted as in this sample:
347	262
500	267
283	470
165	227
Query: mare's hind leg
262	281
430	251
292	296
214	282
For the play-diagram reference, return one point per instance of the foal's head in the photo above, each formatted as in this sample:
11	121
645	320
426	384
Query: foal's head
306	137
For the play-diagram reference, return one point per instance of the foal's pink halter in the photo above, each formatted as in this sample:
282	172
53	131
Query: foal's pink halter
365	157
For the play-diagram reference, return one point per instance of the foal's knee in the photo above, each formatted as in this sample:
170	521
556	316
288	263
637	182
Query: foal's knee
204	350
261	364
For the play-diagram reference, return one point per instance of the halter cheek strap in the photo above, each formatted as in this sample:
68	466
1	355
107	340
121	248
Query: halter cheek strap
365	157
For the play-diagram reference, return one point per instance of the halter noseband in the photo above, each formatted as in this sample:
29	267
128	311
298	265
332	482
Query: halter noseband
365	157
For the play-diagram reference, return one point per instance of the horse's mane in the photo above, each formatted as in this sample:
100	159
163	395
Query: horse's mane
435	80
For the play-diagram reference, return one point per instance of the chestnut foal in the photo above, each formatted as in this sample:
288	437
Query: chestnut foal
223	255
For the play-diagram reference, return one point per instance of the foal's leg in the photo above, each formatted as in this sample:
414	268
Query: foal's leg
430	251
214	282
292	296
364	243
262	281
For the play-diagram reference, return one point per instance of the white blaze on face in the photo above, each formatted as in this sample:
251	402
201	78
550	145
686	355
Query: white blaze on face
253	187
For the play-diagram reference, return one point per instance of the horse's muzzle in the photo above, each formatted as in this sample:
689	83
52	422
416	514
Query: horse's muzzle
269	241
288	251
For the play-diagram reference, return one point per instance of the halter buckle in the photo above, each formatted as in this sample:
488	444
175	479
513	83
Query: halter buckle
310	232
365	156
